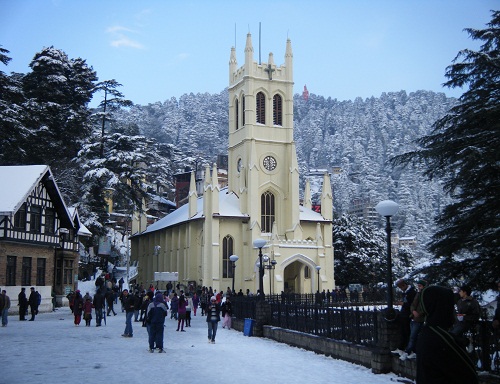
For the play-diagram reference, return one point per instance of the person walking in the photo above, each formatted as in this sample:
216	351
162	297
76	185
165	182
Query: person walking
87	310
213	318
174	306
128	306
33	303
204	300
196	302
227	313
137	305
188	310
22	302
110	300
2	305
156	313
5	309
78	307
99	307
181	312
148	299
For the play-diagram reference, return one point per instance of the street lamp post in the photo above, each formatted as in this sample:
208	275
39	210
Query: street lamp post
388	208
318	269
157	253
269	265
259	243
234	259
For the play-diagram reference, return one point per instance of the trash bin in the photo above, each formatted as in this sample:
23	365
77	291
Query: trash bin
248	328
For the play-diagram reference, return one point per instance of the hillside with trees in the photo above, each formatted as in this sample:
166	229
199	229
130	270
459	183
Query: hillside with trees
436	156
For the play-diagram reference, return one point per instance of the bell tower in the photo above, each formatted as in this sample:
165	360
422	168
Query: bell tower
263	169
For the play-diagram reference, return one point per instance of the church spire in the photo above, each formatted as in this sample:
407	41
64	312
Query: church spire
327	198
307	195
289	60
248	54
233	64
193	196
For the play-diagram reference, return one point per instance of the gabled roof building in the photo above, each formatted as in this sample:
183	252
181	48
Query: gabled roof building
38	234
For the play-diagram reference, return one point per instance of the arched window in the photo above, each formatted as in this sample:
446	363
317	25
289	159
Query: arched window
261	108
243	112
307	273
227	251
267	211
237	114
277	110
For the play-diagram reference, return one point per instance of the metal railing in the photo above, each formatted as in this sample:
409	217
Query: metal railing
483	347
353	325
351	322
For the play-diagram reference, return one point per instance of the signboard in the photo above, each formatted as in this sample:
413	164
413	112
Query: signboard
166	276
104	246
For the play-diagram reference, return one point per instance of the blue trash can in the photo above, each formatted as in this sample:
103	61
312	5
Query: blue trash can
248	328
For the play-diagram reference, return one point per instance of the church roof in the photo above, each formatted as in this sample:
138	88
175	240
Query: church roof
228	203
229	207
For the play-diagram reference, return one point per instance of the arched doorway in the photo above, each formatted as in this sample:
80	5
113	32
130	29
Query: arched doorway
298	278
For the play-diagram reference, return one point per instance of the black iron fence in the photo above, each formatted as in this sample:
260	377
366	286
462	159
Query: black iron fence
355	322
353	325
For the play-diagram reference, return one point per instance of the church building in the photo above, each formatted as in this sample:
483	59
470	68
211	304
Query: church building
261	201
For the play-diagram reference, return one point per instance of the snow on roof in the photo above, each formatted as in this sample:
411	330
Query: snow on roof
82	230
161	200
228	203
18	181
229	206
21	180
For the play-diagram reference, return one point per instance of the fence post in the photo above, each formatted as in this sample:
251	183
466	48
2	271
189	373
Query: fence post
262	316
388	334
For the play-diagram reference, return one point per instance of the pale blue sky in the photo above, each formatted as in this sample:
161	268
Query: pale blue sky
163	49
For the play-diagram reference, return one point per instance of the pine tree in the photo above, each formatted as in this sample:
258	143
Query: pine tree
462	151
359	252
13	133
57	90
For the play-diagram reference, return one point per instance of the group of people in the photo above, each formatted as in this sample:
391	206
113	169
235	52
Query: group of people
32	302
433	323
156	305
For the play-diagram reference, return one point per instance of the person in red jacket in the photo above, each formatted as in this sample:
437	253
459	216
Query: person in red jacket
87	311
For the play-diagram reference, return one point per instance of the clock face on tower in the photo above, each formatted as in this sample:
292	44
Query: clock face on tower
269	163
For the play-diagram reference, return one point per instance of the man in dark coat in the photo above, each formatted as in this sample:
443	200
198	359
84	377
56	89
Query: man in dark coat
404	316
156	313
33	302
22	301
99	307
439	358
110	299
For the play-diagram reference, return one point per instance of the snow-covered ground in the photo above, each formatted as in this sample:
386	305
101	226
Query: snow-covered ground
52	349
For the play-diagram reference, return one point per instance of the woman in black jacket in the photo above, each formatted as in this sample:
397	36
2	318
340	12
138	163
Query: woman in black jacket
439	358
